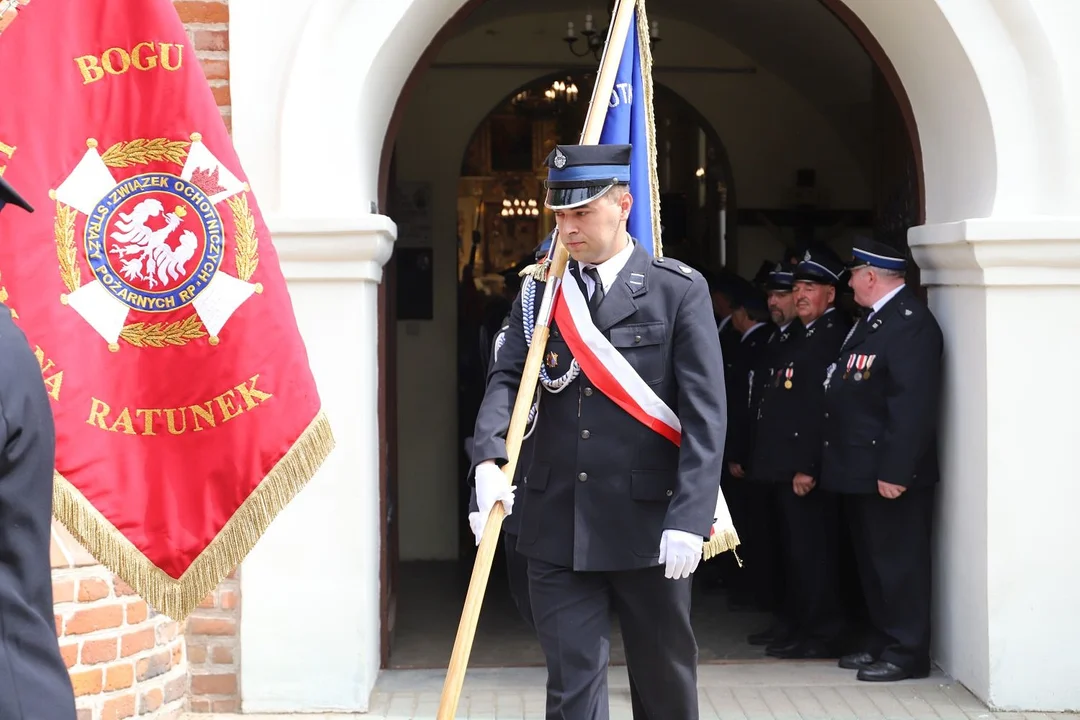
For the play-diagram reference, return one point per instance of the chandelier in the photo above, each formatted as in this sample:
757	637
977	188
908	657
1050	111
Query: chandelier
519	208
594	39
549	103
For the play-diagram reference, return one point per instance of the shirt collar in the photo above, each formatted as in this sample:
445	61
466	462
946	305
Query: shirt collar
610	268
881	303
822	315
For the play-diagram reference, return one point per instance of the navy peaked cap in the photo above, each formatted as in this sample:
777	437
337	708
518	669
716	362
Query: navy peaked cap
819	265
868	252
578	174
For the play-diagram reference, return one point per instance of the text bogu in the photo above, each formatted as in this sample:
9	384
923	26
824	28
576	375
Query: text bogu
145	56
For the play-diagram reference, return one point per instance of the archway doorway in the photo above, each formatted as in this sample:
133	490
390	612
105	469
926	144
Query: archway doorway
809	170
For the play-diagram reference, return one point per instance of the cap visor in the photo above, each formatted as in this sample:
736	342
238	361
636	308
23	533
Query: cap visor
568	198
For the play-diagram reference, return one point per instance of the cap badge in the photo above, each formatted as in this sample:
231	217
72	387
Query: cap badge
560	159
806	257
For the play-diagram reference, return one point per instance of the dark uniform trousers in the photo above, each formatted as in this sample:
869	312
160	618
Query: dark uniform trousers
34	682
603	487
765	538
880	423
788	441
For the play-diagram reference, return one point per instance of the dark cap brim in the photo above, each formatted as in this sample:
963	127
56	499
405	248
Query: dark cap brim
8	195
568	198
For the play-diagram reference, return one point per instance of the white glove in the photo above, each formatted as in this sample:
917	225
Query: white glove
491	487
476	525
680	553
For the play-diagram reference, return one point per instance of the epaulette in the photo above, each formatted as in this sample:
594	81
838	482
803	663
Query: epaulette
904	310
538	271
677	267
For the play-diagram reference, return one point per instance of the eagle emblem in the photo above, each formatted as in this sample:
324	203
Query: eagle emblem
9	11
154	242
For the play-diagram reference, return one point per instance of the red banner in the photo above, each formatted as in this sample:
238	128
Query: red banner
146	281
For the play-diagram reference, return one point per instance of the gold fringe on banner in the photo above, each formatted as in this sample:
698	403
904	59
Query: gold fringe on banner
178	597
722	543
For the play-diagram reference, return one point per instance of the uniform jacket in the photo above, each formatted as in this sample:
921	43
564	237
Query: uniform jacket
748	354
602	487
34	682
792	393
512	522
882	401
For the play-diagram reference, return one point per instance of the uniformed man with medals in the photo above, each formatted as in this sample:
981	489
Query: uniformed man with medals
880	452
616	512
34	681
764	539
789	458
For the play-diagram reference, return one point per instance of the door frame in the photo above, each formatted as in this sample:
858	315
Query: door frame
387	391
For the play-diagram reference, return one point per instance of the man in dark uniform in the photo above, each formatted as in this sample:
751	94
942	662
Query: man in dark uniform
750	318
880	453
34	682
616	513
764	539
788	459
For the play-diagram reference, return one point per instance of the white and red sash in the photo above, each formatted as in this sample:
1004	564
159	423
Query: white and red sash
613	375
607	369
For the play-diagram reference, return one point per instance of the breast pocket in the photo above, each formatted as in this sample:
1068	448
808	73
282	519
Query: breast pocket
643	346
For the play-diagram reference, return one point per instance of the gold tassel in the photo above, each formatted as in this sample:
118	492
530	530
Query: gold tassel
177	598
721	543
538	271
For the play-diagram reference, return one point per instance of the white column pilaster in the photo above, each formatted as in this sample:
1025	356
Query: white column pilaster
1006	293
309	632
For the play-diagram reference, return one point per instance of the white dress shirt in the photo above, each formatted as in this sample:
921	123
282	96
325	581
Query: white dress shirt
881	303
608	270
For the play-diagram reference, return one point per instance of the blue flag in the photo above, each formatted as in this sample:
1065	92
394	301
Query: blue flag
630	121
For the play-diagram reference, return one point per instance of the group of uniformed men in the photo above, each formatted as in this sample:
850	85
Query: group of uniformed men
812	419
833	445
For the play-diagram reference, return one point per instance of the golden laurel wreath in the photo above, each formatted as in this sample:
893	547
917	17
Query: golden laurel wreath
141	152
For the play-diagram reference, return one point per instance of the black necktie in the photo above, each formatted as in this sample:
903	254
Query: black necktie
598	289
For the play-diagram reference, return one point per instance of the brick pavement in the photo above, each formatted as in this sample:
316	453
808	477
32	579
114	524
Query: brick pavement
742	691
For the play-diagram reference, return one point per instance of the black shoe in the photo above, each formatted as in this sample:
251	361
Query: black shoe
782	648
857	661
883	671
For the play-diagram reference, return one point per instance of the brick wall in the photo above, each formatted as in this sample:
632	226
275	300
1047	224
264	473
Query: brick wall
212	630
124	659
207	23
213	646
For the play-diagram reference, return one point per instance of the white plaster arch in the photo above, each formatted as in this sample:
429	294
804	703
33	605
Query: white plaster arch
978	148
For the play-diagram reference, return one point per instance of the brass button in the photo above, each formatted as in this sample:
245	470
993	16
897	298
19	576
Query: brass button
585	434
637	338
583	477
588	392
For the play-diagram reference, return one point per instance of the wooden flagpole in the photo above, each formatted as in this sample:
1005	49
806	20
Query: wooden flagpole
622	17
